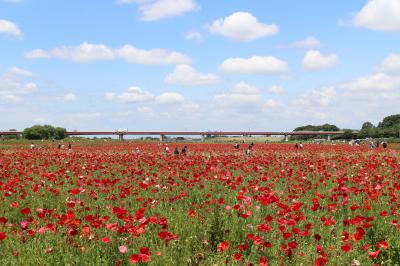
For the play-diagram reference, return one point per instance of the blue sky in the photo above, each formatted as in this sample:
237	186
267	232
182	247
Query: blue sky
198	65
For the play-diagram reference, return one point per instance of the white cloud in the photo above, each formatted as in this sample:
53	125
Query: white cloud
152	57
36	54
315	60
320	97
255	65
160	9
276	89
131	95
83	53
87	52
170	98
242	26
10	28
242	94
391	64
307	43
69	97
379	15
270	104
19	72
374	82
244	88
188	76
14	84
194	36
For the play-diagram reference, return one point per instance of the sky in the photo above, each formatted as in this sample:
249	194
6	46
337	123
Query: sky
198	65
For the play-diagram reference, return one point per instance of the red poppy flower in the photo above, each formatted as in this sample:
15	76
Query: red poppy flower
373	254
223	246
2	236
382	244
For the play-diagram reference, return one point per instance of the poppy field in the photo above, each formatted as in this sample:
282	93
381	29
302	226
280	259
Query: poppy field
108	203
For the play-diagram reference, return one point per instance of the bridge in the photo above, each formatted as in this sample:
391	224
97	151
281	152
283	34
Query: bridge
203	134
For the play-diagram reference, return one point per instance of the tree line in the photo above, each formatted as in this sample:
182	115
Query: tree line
389	127
38	132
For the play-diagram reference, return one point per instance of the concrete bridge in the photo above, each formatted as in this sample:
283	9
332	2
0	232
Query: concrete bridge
203	134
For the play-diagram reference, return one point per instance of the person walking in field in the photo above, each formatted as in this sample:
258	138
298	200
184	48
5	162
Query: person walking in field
250	149
69	147
176	151
184	150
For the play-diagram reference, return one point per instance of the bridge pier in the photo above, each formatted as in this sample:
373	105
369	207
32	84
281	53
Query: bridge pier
329	137
203	138
244	138
161	137
120	137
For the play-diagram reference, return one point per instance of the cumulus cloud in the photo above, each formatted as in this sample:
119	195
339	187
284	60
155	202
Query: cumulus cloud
255	65
307	43
83	53
170	98
160	9
10	28
188	76
152	57
87	52
131	95
375	82
319	97
37	54
391	64
15	83
242	26
276	89
152	10
242	94
379	15
315	60
244	88
194	36
374	95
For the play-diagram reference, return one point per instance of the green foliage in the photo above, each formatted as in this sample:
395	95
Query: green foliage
390	121
348	134
324	127
368	130
44	132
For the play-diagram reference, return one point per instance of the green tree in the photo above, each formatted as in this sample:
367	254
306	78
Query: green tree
60	133
368	130
324	127
37	132
389	127
348	134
